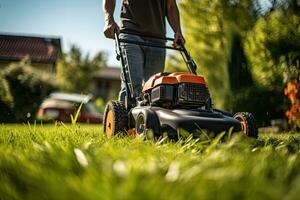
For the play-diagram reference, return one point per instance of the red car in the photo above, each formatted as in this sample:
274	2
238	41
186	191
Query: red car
60	106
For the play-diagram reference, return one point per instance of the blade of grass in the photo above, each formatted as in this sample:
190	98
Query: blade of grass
214	142
74	119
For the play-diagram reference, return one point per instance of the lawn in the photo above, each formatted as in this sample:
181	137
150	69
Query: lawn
77	162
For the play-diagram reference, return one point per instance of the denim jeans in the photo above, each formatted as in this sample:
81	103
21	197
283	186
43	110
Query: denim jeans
142	62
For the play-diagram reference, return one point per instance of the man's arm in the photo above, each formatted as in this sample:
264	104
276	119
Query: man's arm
110	25
174	19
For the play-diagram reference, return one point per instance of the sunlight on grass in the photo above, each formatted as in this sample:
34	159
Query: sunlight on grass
78	162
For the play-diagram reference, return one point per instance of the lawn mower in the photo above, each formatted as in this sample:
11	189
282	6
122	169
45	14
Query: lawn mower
170	102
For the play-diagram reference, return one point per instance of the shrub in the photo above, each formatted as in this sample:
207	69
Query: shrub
26	87
265	104
292	91
6	101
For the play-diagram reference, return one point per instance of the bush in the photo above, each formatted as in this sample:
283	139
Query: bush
24	89
265	104
6	101
292	91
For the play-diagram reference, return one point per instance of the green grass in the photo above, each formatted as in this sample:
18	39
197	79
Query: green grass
77	162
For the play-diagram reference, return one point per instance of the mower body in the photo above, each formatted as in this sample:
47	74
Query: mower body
181	100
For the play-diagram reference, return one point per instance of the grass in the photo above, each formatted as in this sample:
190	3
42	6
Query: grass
77	162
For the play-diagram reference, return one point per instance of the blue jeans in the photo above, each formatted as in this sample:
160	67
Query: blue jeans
142	61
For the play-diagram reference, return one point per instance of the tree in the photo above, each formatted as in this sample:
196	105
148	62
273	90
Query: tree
245	49
273	48
238	67
209	27
75	71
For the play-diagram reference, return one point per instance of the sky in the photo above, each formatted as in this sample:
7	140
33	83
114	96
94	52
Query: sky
77	22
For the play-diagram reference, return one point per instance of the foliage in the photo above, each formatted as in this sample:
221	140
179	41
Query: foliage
209	28
273	48
292	91
75	70
6	101
257	100
77	162
238	67
244	47
24	89
100	104
175	63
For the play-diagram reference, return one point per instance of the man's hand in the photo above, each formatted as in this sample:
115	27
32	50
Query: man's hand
174	20
178	37
110	28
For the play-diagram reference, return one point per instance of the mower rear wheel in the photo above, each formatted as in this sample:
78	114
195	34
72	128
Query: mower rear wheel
248	124
115	119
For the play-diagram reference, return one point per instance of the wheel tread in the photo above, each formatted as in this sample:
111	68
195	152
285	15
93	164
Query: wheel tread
120	116
251	127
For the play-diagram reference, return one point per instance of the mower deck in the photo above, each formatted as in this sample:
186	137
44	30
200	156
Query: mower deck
190	120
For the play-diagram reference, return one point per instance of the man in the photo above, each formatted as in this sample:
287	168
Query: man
143	17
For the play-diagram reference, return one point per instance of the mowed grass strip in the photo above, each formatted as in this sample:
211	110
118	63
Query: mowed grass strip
77	162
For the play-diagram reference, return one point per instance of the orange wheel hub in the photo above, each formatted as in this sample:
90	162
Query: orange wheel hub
243	125
109	124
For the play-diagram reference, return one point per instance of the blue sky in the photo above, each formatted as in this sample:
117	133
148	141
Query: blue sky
74	21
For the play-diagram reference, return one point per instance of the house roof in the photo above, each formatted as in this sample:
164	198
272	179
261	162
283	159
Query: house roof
39	49
111	73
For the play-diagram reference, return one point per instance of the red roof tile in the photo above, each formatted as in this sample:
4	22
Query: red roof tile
14	48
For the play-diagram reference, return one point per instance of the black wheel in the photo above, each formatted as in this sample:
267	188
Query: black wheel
248	124
115	119
147	126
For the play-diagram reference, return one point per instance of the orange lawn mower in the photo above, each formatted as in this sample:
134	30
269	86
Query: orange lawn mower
170	102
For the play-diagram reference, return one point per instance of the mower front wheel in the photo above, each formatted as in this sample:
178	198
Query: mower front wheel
148	126
115	119
248	124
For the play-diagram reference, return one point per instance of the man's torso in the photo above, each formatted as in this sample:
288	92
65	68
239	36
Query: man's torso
146	17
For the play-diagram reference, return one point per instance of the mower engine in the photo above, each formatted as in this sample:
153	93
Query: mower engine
180	89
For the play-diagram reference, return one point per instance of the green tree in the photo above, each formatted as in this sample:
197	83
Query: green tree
75	70
238	67
209	27
245	49
273	48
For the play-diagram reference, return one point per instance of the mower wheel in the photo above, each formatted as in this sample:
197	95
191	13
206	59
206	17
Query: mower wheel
248	124
146	127
115	119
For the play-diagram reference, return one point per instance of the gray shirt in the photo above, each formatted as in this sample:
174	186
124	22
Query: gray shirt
146	17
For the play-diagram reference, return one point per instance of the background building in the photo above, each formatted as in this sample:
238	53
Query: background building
42	51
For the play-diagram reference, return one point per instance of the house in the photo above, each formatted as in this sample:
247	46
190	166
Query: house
107	82
42	51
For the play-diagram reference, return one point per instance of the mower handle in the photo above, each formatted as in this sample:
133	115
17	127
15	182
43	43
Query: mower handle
181	48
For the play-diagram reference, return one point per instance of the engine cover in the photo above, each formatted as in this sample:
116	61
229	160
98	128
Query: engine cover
177	89
162	94
194	95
